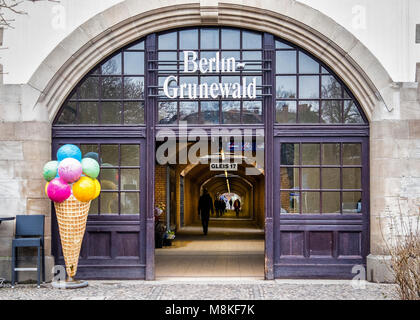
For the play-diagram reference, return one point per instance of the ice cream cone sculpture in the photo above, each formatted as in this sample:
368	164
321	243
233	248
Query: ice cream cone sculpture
72	185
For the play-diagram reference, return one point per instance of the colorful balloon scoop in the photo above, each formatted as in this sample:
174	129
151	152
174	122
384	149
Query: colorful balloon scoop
69	151
90	167
50	170
58	190
72	175
70	170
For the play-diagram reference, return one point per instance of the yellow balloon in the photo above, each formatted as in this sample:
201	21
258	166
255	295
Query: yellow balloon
84	189
46	186
97	188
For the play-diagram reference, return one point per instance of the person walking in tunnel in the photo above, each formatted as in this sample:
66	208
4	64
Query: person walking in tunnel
205	205
237	206
230	204
217	206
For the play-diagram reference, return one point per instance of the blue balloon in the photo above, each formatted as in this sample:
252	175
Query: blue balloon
69	151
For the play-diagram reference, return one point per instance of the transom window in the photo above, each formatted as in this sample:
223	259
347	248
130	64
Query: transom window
211	45
111	94
306	92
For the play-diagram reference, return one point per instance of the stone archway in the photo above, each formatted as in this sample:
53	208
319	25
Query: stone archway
129	20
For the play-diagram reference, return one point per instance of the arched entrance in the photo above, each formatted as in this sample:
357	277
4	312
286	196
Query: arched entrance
346	73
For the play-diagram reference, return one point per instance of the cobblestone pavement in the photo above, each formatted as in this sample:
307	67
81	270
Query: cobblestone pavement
206	289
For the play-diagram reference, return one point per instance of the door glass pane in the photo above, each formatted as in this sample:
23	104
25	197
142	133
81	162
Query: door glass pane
134	112
88	112
130	179
93	209
308	87
331	111
282	45
289	178
137	46
331	202
289	201
352	202
130	155
286	111
167	60
307	64
167	41
109	155
352	153
112	66
330	88
286	86
168	112
109	179
134	88
111	112
252	55
251	40
109	202
289	154
310	178
310	153
188	111
252	112
352	178
308	112
89	89
231	112
134	63
230	39
310	202
209	38
129	202
209	112
90	151
351	113
188	39
330	178
68	114
286	62
331	154
111	88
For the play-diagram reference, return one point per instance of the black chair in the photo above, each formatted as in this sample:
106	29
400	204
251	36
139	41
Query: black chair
29	233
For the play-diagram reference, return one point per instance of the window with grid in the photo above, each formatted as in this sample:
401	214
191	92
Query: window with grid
119	178
110	94
308	93
321	178
244	46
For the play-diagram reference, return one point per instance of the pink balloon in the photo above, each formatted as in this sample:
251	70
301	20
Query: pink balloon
70	170
58	190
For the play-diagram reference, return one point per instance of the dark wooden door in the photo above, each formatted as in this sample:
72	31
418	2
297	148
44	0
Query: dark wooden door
321	206
114	243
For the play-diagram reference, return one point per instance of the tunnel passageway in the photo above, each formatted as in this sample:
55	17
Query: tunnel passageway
234	245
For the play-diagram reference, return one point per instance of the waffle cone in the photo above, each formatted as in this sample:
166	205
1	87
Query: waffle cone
71	216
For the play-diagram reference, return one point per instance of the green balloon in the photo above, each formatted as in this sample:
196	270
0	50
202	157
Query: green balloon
90	167
50	170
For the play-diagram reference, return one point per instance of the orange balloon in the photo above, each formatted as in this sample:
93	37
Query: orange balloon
46	186
97	188
84	189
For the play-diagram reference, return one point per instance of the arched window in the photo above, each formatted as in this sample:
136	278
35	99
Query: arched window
113	93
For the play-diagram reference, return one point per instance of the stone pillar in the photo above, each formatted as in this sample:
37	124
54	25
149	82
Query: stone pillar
395	177
25	146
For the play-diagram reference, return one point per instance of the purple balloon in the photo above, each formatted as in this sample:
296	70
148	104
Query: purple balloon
70	170
58	190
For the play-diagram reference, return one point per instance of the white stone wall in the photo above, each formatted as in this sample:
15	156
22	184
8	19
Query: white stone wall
386	27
